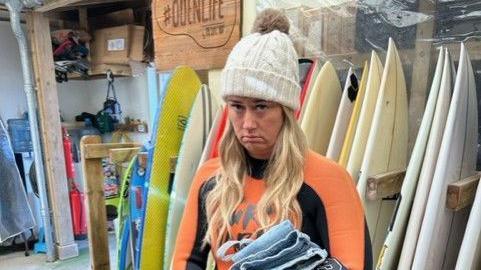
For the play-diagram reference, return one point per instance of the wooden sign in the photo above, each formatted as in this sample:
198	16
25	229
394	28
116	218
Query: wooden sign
197	33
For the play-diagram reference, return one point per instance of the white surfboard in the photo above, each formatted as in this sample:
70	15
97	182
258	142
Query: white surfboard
365	118
321	109
199	125
442	229
470	253
349	95
391	249
387	147
429	165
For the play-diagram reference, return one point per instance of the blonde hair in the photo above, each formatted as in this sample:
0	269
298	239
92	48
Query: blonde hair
284	176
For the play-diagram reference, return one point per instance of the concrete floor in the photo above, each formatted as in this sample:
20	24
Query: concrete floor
18	261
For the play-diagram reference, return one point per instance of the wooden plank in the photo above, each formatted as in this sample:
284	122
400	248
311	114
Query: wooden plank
101	150
462	193
95	200
384	185
420	83
118	70
123	155
54	5
51	137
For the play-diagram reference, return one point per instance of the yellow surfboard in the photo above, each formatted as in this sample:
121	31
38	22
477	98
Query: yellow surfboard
351	129
180	95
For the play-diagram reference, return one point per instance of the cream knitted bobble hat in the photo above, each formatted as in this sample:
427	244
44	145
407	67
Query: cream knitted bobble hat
264	64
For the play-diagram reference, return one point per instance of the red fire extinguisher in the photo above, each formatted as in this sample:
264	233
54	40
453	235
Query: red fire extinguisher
77	208
67	149
78	213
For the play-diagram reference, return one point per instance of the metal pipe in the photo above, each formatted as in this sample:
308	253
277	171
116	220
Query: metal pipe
15	7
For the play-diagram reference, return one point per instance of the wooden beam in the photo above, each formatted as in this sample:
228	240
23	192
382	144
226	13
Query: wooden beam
422	67
101	150
384	185
95	201
83	19
51	136
54	5
462	193
123	155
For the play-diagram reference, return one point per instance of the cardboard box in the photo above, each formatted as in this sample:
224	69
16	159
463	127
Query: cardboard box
118	45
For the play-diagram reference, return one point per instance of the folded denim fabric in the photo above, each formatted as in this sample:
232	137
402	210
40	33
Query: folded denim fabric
250	246
270	251
287	254
282	247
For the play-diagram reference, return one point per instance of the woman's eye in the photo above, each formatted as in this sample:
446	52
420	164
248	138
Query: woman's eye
261	107
236	107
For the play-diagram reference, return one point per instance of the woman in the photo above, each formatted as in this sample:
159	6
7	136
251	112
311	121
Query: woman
266	173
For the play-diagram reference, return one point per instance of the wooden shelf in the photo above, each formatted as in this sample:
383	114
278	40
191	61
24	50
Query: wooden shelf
99	72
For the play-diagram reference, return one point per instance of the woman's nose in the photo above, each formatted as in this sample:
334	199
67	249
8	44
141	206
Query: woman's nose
249	120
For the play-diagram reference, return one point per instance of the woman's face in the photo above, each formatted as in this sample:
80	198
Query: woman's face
256	124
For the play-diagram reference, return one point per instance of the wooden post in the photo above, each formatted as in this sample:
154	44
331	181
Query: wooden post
421	68
93	151
51	136
462	193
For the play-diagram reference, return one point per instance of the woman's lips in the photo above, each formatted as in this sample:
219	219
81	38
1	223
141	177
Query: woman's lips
251	139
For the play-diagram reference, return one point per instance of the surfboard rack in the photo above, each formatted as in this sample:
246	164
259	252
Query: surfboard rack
461	193
93	151
384	185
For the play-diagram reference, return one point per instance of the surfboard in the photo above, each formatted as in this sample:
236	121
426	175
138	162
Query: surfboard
195	137
470	252
365	117
306	85
220	132
321	109
123	229
388	258
141	190
137	201
387	144
429	165
442	229
343	116
307	90
179	97
351	129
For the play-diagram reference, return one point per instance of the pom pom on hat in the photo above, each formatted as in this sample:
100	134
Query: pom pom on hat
269	20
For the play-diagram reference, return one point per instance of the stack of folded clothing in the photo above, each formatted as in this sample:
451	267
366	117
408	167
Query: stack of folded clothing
282	247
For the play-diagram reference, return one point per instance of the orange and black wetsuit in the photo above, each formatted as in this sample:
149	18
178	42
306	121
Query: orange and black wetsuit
332	214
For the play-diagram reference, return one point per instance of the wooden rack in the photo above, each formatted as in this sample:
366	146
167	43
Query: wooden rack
93	151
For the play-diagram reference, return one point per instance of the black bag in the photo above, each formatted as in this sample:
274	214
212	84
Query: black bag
111	105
